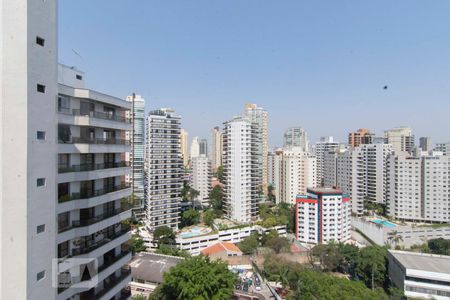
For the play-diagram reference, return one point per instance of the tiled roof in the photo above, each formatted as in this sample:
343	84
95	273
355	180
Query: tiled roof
219	247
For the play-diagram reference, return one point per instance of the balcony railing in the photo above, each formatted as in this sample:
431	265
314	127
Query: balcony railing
95	141
95	114
91	167
95	219
85	194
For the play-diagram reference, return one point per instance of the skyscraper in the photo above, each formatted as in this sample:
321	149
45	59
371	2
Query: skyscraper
296	137
195	147
203	147
201	179
360	137
184	136
259	116
425	144
326	144
136	157
242	169
401	139
63	173
274	175
165	168
216	148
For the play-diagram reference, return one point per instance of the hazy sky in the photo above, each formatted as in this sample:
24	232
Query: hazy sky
317	64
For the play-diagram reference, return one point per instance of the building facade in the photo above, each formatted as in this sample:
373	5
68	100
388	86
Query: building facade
184	138
216	148
242	169
296	137
360	137
203	147
165	169
322	215
326	144
425	144
401	139
275	160
201	179
195	147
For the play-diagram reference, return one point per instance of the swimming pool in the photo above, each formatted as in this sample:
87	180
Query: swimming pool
386	224
194	231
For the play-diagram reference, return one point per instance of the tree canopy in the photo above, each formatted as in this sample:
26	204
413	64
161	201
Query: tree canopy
197	278
189	217
216	198
164	235
249	244
137	244
439	246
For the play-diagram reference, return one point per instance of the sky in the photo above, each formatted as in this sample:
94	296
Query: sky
317	64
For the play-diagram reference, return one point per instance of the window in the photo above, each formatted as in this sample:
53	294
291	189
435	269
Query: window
40	228
41	88
40	41
79	77
40	275
40	182
63	249
40	135
63	103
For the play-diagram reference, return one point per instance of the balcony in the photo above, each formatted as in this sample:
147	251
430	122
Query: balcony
92	167
85	194
95	219
95	141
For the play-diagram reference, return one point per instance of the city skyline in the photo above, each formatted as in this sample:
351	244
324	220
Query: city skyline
207	73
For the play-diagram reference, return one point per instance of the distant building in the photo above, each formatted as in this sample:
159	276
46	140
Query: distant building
296	137
184	138
195	147
360	137
201	179
222	250
401	139
216	148
420	275
323	146
425	144
322	215
203	147
443	147
275	160
165	169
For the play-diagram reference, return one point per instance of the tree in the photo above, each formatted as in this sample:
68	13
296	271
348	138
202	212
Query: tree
171	250
277	243
220	173
371	265
249	244
270	193
394	237
164	236
190	217
216	198
329	256
139	297
208	217
137	244
439	246
197	278
188	194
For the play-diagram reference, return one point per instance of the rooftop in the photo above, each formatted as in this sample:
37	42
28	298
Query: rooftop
324	190
423	261
219	247
151	266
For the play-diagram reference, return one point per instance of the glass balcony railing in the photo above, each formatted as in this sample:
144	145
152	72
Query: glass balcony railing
91	167
85	194
95	141
95	114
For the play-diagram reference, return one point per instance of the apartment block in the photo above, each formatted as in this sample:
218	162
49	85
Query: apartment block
195	147
296	137
216	148
322	215
201	179
165	169
242	169
275	160
401	139
326	144
360	137
443	147
184	137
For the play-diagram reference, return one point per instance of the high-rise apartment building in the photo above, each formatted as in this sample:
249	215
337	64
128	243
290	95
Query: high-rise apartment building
330	166
325	145
203	147
195	147
418	188
242	169
137	155
165	168
63	169
443	147
184	137
298	173
322	215
216	148
274	177
401	139
360	137
296	137
425	144
201	179
259	116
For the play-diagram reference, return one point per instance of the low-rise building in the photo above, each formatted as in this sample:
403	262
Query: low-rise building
420	275
323	215
222	250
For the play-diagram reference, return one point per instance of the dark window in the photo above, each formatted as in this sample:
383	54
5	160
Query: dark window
40	182
40	41
40	228
41	88
63	103
40	135
63	249
79	77
64	134
40	275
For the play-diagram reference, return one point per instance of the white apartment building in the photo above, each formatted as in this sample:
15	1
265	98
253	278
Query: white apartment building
420	275
323	146
195	147
216	148
443	147
58	219
184	137
298	173
165	168
275	160
242	169
259	116
201	179
419	188
137	155
296	137
322	215
362	173
401	139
